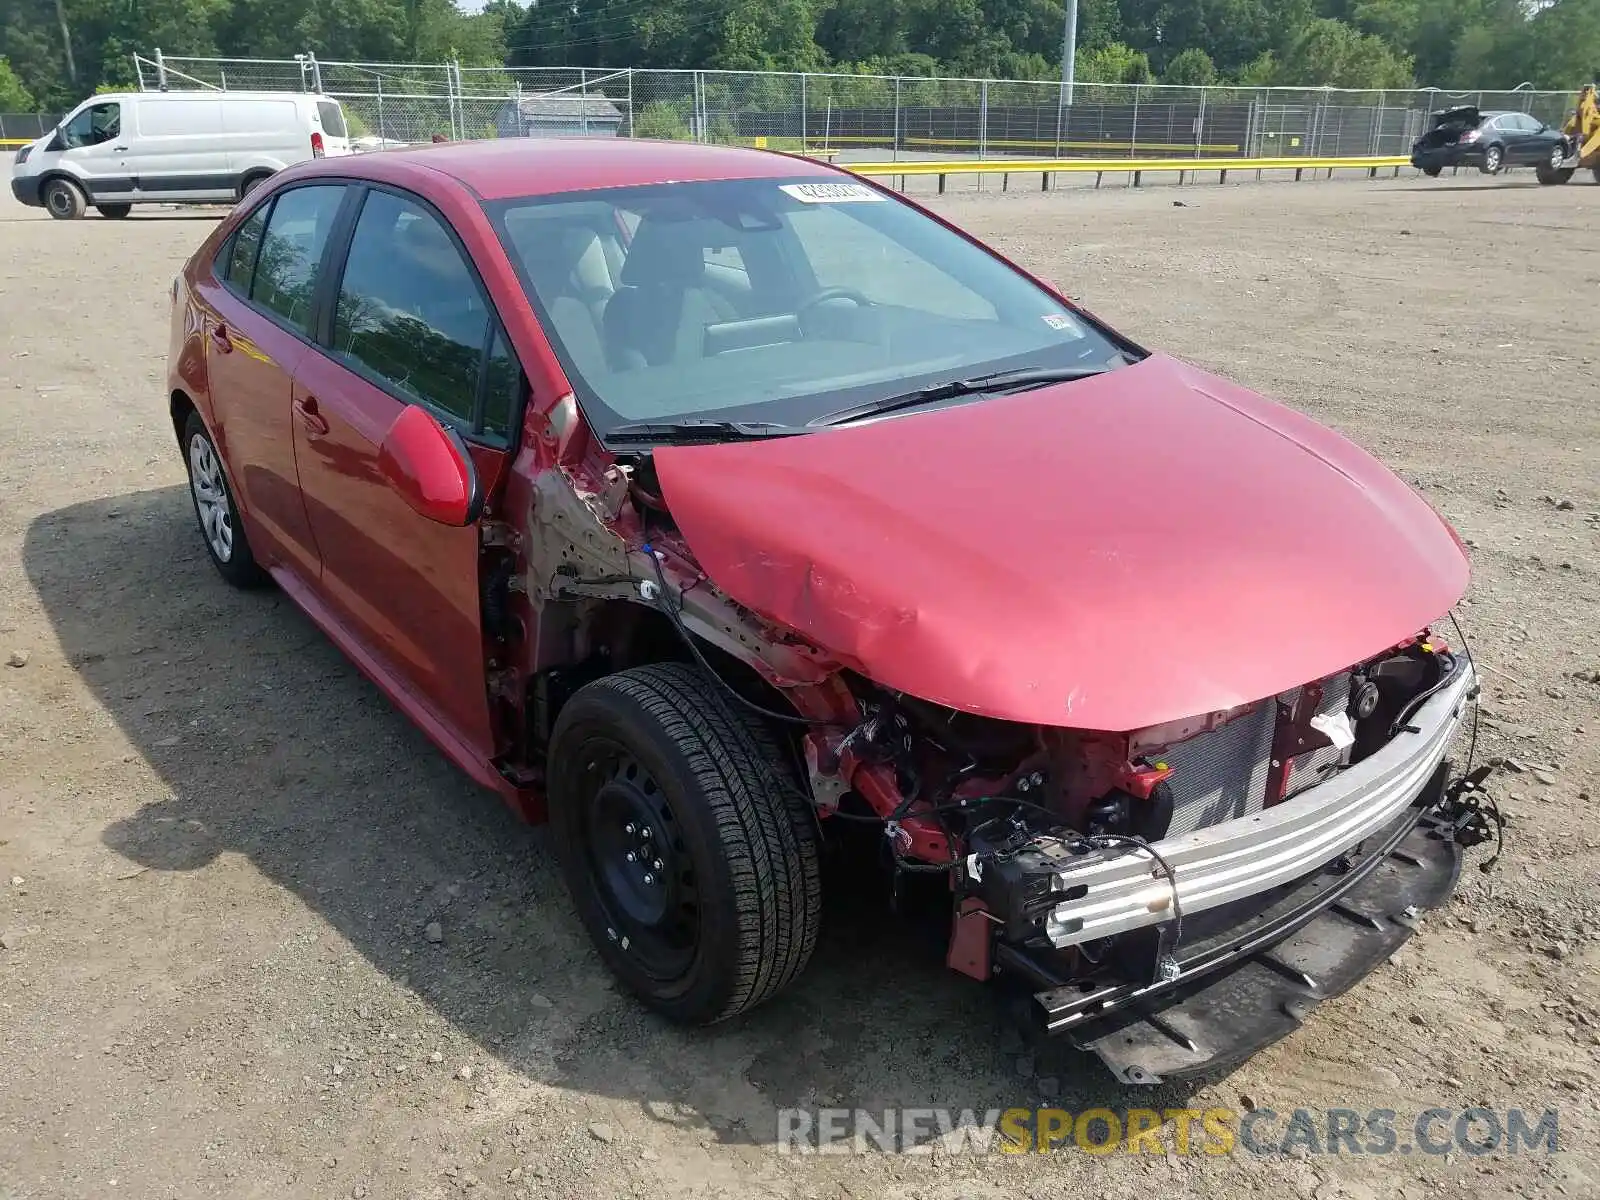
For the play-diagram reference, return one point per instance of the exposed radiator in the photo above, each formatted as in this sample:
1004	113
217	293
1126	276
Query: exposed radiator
1222	774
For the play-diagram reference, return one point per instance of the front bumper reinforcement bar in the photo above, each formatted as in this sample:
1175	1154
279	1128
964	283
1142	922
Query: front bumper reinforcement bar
1119	889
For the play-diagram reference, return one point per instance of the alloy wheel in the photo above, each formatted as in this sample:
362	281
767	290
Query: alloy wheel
211	497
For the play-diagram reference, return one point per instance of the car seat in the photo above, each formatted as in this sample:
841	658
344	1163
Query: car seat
660	313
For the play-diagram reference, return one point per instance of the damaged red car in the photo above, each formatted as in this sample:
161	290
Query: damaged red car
709	503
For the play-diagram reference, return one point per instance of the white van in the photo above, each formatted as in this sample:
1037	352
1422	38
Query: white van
127	148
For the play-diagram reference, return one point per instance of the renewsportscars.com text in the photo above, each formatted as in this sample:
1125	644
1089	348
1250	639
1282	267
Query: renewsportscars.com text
1207	1131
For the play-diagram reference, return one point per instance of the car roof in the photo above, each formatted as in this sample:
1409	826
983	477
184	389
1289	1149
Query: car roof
511	167
205	94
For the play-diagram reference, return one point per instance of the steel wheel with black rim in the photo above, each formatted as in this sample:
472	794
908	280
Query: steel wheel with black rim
690	851
214	509
63	199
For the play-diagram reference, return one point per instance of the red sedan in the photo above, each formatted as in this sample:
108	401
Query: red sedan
719	505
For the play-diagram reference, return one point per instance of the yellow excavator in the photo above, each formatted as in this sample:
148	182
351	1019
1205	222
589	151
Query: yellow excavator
1582	131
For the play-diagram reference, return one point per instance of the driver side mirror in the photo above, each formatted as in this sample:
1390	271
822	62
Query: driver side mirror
429	466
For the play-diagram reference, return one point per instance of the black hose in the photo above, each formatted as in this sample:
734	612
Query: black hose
1105	841
674	615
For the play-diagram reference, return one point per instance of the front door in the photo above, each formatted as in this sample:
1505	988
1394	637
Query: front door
410	325
258	319
95	144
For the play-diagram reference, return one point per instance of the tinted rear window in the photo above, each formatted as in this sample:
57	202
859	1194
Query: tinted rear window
332	119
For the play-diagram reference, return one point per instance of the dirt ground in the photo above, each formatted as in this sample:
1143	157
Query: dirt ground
219	846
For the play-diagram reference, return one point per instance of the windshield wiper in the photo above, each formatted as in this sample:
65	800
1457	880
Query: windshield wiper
696	429
1000	381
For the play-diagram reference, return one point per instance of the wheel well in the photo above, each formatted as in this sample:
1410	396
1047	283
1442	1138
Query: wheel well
254	175
181	407
619	634
50	177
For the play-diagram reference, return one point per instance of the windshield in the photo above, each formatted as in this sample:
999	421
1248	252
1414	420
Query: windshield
772	300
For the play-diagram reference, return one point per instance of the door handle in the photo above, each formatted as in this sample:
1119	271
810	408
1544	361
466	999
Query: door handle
311	416
220	338
122	148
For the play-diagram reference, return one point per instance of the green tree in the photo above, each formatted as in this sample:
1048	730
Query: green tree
1329	53
768	35
1114	64
1262	71
13	96
1563	46
1193	67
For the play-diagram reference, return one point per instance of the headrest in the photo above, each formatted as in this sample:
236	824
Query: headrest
666	253
428	246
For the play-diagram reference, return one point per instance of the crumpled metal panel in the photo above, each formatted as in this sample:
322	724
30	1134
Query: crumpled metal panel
1139	547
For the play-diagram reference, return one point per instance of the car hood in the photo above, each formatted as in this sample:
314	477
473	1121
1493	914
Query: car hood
1145	545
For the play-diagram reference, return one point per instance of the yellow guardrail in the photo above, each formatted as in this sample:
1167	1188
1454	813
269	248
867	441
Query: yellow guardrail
1100	167
1038	145
13	143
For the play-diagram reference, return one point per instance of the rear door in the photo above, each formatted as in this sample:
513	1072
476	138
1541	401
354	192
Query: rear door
258	316
1511	133
406	321
335	133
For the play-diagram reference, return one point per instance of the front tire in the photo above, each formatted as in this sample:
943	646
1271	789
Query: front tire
113	211
1551	171
688	846
215	510
1432	172
63	199
1493	159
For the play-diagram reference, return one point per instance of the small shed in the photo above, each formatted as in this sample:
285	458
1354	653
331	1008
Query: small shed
559	114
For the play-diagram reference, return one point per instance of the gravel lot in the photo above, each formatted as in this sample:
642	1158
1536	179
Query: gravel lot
219	847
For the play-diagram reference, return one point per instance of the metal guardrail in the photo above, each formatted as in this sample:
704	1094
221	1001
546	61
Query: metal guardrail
1136	167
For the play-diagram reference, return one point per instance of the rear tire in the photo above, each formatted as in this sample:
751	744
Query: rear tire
251	182
114	212
215	511
689	848
63	199
1432	172
1494	158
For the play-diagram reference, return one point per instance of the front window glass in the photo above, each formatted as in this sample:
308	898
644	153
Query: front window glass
409	310
773	300
95	124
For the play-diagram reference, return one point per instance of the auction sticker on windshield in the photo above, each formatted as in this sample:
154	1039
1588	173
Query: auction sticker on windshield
831	193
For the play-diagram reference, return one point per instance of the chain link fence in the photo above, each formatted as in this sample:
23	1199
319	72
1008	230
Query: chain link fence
854	116
25	127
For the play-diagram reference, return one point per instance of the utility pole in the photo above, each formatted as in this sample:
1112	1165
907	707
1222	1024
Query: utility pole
66	42
1069	51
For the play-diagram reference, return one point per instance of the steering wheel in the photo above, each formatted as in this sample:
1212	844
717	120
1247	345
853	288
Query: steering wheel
823	295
